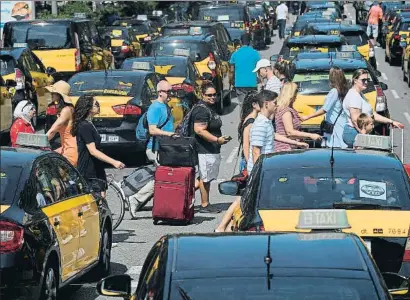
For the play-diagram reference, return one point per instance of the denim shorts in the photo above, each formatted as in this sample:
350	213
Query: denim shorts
242	164
349	135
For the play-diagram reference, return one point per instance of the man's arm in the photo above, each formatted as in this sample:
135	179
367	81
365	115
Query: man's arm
256	152
153	118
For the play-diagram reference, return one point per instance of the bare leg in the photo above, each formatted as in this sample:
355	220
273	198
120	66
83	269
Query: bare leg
204	188
226	220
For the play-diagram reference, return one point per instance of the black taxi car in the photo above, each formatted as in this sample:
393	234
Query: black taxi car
278	265
371	185
53	228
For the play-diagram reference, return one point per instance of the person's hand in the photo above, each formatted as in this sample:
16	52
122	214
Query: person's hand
304	118
118	165
397	124
222	140
316	137
303	145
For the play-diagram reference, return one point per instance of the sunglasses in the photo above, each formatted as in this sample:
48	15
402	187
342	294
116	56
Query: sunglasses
96	104
211	95
166	92
364	80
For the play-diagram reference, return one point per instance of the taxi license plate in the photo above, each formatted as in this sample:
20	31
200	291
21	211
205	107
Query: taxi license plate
368	245
109	138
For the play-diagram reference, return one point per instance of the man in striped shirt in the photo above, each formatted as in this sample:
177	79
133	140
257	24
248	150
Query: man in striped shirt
265	71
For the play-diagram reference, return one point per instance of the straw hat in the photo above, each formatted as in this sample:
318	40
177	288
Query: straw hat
62	88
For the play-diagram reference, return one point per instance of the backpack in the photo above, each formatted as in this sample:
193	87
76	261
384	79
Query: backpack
184	128
142	132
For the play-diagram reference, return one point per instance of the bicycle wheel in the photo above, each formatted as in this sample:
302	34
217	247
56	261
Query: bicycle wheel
116	203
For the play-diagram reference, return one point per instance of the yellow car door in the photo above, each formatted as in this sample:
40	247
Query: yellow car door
86	212
6	110
61	214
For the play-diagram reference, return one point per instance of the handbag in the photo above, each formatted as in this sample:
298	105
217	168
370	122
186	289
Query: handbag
177	151
138	179
327	127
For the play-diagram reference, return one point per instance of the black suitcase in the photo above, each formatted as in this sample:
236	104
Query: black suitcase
177	151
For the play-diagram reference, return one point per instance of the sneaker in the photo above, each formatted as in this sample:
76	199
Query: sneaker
135	206
209	209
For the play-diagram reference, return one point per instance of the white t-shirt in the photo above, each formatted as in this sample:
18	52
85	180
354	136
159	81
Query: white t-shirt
354	100
281	12
273	84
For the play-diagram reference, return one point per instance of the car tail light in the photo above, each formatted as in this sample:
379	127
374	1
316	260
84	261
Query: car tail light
20	79
406	257
186	87
127	109
11	237
397	37
125	48
381	102
256	228
51	110
247	26
407	168
147	39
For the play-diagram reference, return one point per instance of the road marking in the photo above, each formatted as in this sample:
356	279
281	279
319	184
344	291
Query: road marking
407	116
395	95
384	76
232	155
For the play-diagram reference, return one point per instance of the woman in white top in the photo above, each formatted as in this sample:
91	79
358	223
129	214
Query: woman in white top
354	104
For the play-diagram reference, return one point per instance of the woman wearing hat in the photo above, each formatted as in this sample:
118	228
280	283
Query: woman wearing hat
59	93
23	113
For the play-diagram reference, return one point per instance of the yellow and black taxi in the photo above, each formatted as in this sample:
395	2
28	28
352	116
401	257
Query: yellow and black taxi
320	265
300	24
30	75
6	108
158	19
330	6
406	63
389	16
222	34
68	45
260	18
123	96
53	229
370	184
180	72
211	62
354	34
312	77
396	40
123	42
321	43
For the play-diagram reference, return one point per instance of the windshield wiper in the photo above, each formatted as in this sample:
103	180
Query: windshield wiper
183	294
355	205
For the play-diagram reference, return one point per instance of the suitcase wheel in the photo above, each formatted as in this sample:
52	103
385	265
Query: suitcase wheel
155	222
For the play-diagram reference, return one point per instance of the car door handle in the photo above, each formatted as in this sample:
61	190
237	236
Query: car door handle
56	223
80	213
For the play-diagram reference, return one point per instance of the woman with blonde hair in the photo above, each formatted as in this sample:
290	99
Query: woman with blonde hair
287	119
355	103
335	119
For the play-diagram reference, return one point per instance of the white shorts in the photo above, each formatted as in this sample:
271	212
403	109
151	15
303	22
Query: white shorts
208	165
373	30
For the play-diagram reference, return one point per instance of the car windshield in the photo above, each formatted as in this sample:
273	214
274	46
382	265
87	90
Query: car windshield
313	188
256	11
163	65
281	288
194	48
405	26
9	180
235	33
140	28
183	30
7	64
121	85
318	83
40	36
114	33
356	38
222	14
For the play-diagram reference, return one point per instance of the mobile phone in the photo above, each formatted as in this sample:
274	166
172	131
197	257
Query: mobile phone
228	138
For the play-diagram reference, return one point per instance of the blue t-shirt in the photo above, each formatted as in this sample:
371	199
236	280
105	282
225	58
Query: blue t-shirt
245	59
156	115
332	107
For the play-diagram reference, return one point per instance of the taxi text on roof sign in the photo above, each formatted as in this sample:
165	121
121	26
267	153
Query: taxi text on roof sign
33	140
373	142
323	219
348	48
181	52
141	65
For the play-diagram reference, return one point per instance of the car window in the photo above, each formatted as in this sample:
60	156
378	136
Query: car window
38	62
195	48
95	37
84	34
72	183
7	64
405	26
356	38
318	189
33	66
48	190
9	180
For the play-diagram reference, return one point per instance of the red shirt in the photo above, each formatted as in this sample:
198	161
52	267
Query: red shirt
19	126
375	14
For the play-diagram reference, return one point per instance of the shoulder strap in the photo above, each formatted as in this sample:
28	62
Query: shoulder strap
169	112
246	124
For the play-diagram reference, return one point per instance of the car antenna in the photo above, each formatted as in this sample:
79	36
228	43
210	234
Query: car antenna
268	261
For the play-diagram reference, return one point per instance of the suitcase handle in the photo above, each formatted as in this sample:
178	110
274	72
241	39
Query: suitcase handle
392	128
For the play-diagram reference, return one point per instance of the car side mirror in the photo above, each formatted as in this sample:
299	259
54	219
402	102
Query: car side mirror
397	284
50	71
206	76
115	286
10	83
383	86
197	56
230	188
274	57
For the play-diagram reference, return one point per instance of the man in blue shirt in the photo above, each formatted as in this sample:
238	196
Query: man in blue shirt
243	61
160	123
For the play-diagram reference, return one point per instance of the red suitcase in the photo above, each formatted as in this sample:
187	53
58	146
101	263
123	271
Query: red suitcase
174	193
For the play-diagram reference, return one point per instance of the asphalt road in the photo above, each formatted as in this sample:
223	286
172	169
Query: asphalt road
134	238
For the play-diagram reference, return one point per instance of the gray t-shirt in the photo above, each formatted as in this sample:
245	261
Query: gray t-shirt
355	100
273	84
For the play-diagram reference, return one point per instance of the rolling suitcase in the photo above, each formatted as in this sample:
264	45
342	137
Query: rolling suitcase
174	193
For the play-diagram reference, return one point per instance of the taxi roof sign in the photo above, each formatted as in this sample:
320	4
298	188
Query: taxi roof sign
323	219
347	48
373	142
344	55
141	65
181	52
33	140
223	18
142	17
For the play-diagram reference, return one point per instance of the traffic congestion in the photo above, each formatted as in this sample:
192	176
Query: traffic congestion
216	149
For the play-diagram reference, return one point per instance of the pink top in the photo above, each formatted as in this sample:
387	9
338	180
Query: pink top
280	127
